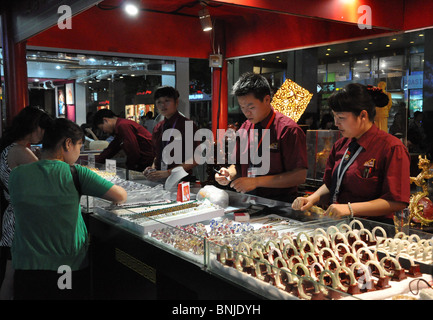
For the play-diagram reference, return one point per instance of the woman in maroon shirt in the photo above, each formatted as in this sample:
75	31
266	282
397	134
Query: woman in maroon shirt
368	170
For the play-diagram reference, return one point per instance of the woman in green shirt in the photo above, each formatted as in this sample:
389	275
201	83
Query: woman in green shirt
50	235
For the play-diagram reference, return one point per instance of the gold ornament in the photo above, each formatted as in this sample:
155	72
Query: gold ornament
291	100
416	209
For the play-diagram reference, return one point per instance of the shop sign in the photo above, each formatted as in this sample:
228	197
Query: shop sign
414	81
326	87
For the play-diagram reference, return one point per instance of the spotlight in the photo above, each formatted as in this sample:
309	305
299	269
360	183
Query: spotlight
131	8
205	19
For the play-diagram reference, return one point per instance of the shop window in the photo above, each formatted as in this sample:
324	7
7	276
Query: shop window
338	71
361	70
123	84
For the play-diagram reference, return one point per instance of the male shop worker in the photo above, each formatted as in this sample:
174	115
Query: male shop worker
129	136
287	145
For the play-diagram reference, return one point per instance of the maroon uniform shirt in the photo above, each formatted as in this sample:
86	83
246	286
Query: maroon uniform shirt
135	140
177	121
381	170
287	148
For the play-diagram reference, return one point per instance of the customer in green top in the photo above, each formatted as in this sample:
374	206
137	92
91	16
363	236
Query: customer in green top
50	235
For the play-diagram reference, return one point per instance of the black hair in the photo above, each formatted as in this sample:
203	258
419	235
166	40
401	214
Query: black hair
99	116
166	91
24	123
356	97
252	83
60	130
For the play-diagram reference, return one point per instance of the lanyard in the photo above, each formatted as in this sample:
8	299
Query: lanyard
341	171
267	127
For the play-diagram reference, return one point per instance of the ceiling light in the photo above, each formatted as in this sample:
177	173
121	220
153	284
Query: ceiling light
205	19
131	8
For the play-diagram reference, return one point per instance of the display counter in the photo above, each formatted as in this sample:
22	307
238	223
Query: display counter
196	250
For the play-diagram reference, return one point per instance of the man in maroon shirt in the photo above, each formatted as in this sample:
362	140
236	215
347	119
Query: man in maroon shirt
178	127
287	151
129	136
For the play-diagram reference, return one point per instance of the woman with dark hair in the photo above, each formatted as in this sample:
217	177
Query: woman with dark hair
50	234
367	172
27	128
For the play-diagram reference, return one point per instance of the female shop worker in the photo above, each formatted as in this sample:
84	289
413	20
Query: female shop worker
287	149
167	101
50	235
367	172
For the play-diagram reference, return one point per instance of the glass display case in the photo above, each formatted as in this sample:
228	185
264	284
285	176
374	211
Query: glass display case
279	253
327	259
319	145
281	258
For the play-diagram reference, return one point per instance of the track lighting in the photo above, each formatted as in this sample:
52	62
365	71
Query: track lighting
205	19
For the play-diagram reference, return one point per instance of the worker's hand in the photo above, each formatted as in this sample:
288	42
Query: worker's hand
223	177
302	203
148	170
244	185
158	175
337	211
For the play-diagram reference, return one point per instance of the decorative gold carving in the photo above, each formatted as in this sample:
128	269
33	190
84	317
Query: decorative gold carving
416	209
291	100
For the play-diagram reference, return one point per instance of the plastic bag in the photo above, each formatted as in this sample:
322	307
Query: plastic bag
214	195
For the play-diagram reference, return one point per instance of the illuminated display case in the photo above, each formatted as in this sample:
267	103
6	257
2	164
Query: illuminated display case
319	145
278	257
277	254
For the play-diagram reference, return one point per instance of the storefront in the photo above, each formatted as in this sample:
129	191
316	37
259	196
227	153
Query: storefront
112	68
397	60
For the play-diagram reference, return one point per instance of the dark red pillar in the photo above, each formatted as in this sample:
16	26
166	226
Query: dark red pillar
15	70
219	98
219	82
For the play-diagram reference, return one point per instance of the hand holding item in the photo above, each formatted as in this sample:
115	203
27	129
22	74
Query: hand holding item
244	185
148	170
302	203
155	175
337	211
222	176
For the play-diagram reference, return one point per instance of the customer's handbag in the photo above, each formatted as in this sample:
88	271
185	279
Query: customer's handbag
4	203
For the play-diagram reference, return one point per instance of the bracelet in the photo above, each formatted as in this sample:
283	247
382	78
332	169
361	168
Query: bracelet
350	209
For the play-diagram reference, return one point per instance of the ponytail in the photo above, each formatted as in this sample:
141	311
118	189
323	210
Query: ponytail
356	97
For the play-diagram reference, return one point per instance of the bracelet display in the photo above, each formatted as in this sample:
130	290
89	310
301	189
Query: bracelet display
289	261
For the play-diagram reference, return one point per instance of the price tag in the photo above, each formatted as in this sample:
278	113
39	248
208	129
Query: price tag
110	165
91	160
